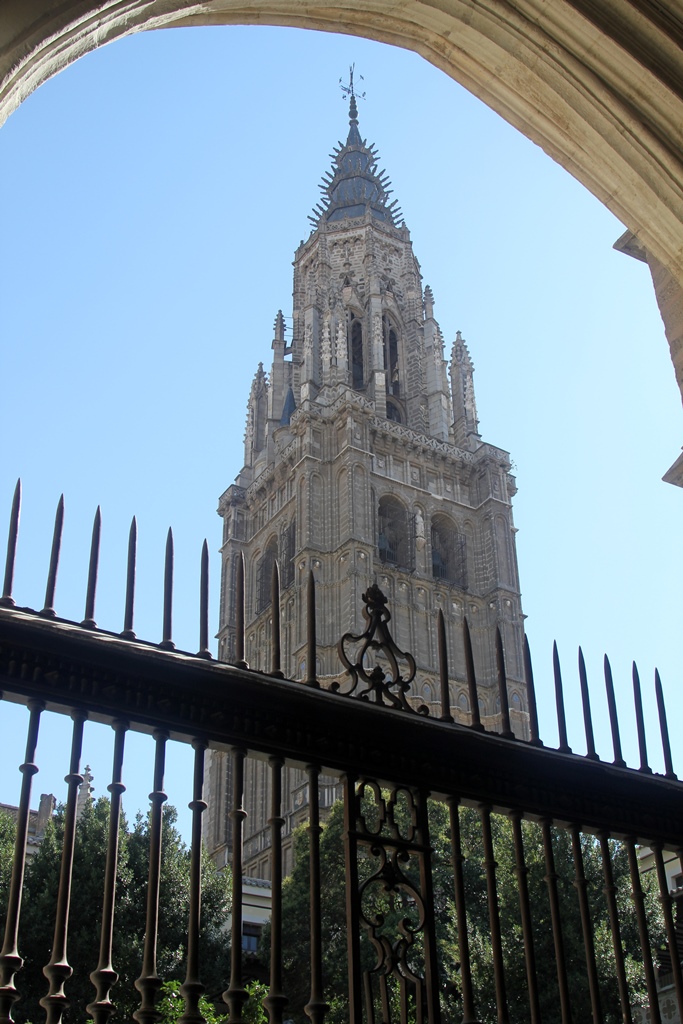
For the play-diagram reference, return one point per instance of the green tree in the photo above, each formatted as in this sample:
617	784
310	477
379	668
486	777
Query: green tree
8	831
39	902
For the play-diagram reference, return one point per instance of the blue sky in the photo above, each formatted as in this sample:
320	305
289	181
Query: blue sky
153	196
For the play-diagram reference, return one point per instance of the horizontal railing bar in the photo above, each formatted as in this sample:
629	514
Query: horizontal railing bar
69	668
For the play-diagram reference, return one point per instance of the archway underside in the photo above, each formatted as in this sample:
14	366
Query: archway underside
604	99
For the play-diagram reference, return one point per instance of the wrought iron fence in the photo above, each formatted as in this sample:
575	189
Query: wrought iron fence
438	818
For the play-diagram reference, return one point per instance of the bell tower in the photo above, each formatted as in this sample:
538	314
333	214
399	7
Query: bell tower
364	463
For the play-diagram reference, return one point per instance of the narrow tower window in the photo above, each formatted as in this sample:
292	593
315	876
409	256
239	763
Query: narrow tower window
357	374
264	575
391	358
287	559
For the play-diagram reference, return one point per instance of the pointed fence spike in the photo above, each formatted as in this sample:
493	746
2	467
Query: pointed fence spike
7	600
128	633
204	651
640	721
49	610
275	649
614	721
559	701
311	639
89	617
446	715
585	700
471	678
167	628
534	738
664	729
506	729
239	613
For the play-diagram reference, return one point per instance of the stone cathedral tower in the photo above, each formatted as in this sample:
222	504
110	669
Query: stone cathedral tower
363	462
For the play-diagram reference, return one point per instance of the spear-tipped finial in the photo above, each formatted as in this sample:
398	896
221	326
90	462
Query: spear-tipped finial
350	91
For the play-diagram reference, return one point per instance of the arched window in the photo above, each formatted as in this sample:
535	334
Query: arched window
394	533
448	553
391	370
264	575
357	359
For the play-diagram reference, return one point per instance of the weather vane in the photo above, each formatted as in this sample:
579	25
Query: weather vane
348	90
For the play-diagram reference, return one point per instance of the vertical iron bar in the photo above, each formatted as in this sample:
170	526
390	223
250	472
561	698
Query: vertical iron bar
664	729
506	729
149	983
468	1014
558	941
494	916
369	998
316	1008
610	891
613	720
239	613
639	903
192	988
446	715
89	617
384	996
521	873
311	639
667	906
104	976
471	678
640	721
352	902
403	1000
564	747
7	600
204	651
275	646
535	739
236	996
419	1004
10	961
49	608
167	631
276	1001
427	888
58	971
586	927
128	633
585	700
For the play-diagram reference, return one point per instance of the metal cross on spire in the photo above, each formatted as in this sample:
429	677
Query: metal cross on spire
349	90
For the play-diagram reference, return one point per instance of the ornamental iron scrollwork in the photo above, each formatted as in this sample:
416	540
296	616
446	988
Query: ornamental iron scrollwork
359	654
392	905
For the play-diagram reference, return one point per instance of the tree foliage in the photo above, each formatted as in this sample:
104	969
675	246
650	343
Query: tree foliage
40	898
296	920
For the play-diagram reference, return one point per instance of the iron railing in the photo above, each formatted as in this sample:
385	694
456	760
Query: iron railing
394	760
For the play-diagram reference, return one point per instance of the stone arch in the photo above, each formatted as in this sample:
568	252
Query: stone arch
449	559
600	93
394	541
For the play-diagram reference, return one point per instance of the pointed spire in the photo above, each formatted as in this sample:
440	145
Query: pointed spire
466	423
429	303
355	185
288	410
85	791
279	327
